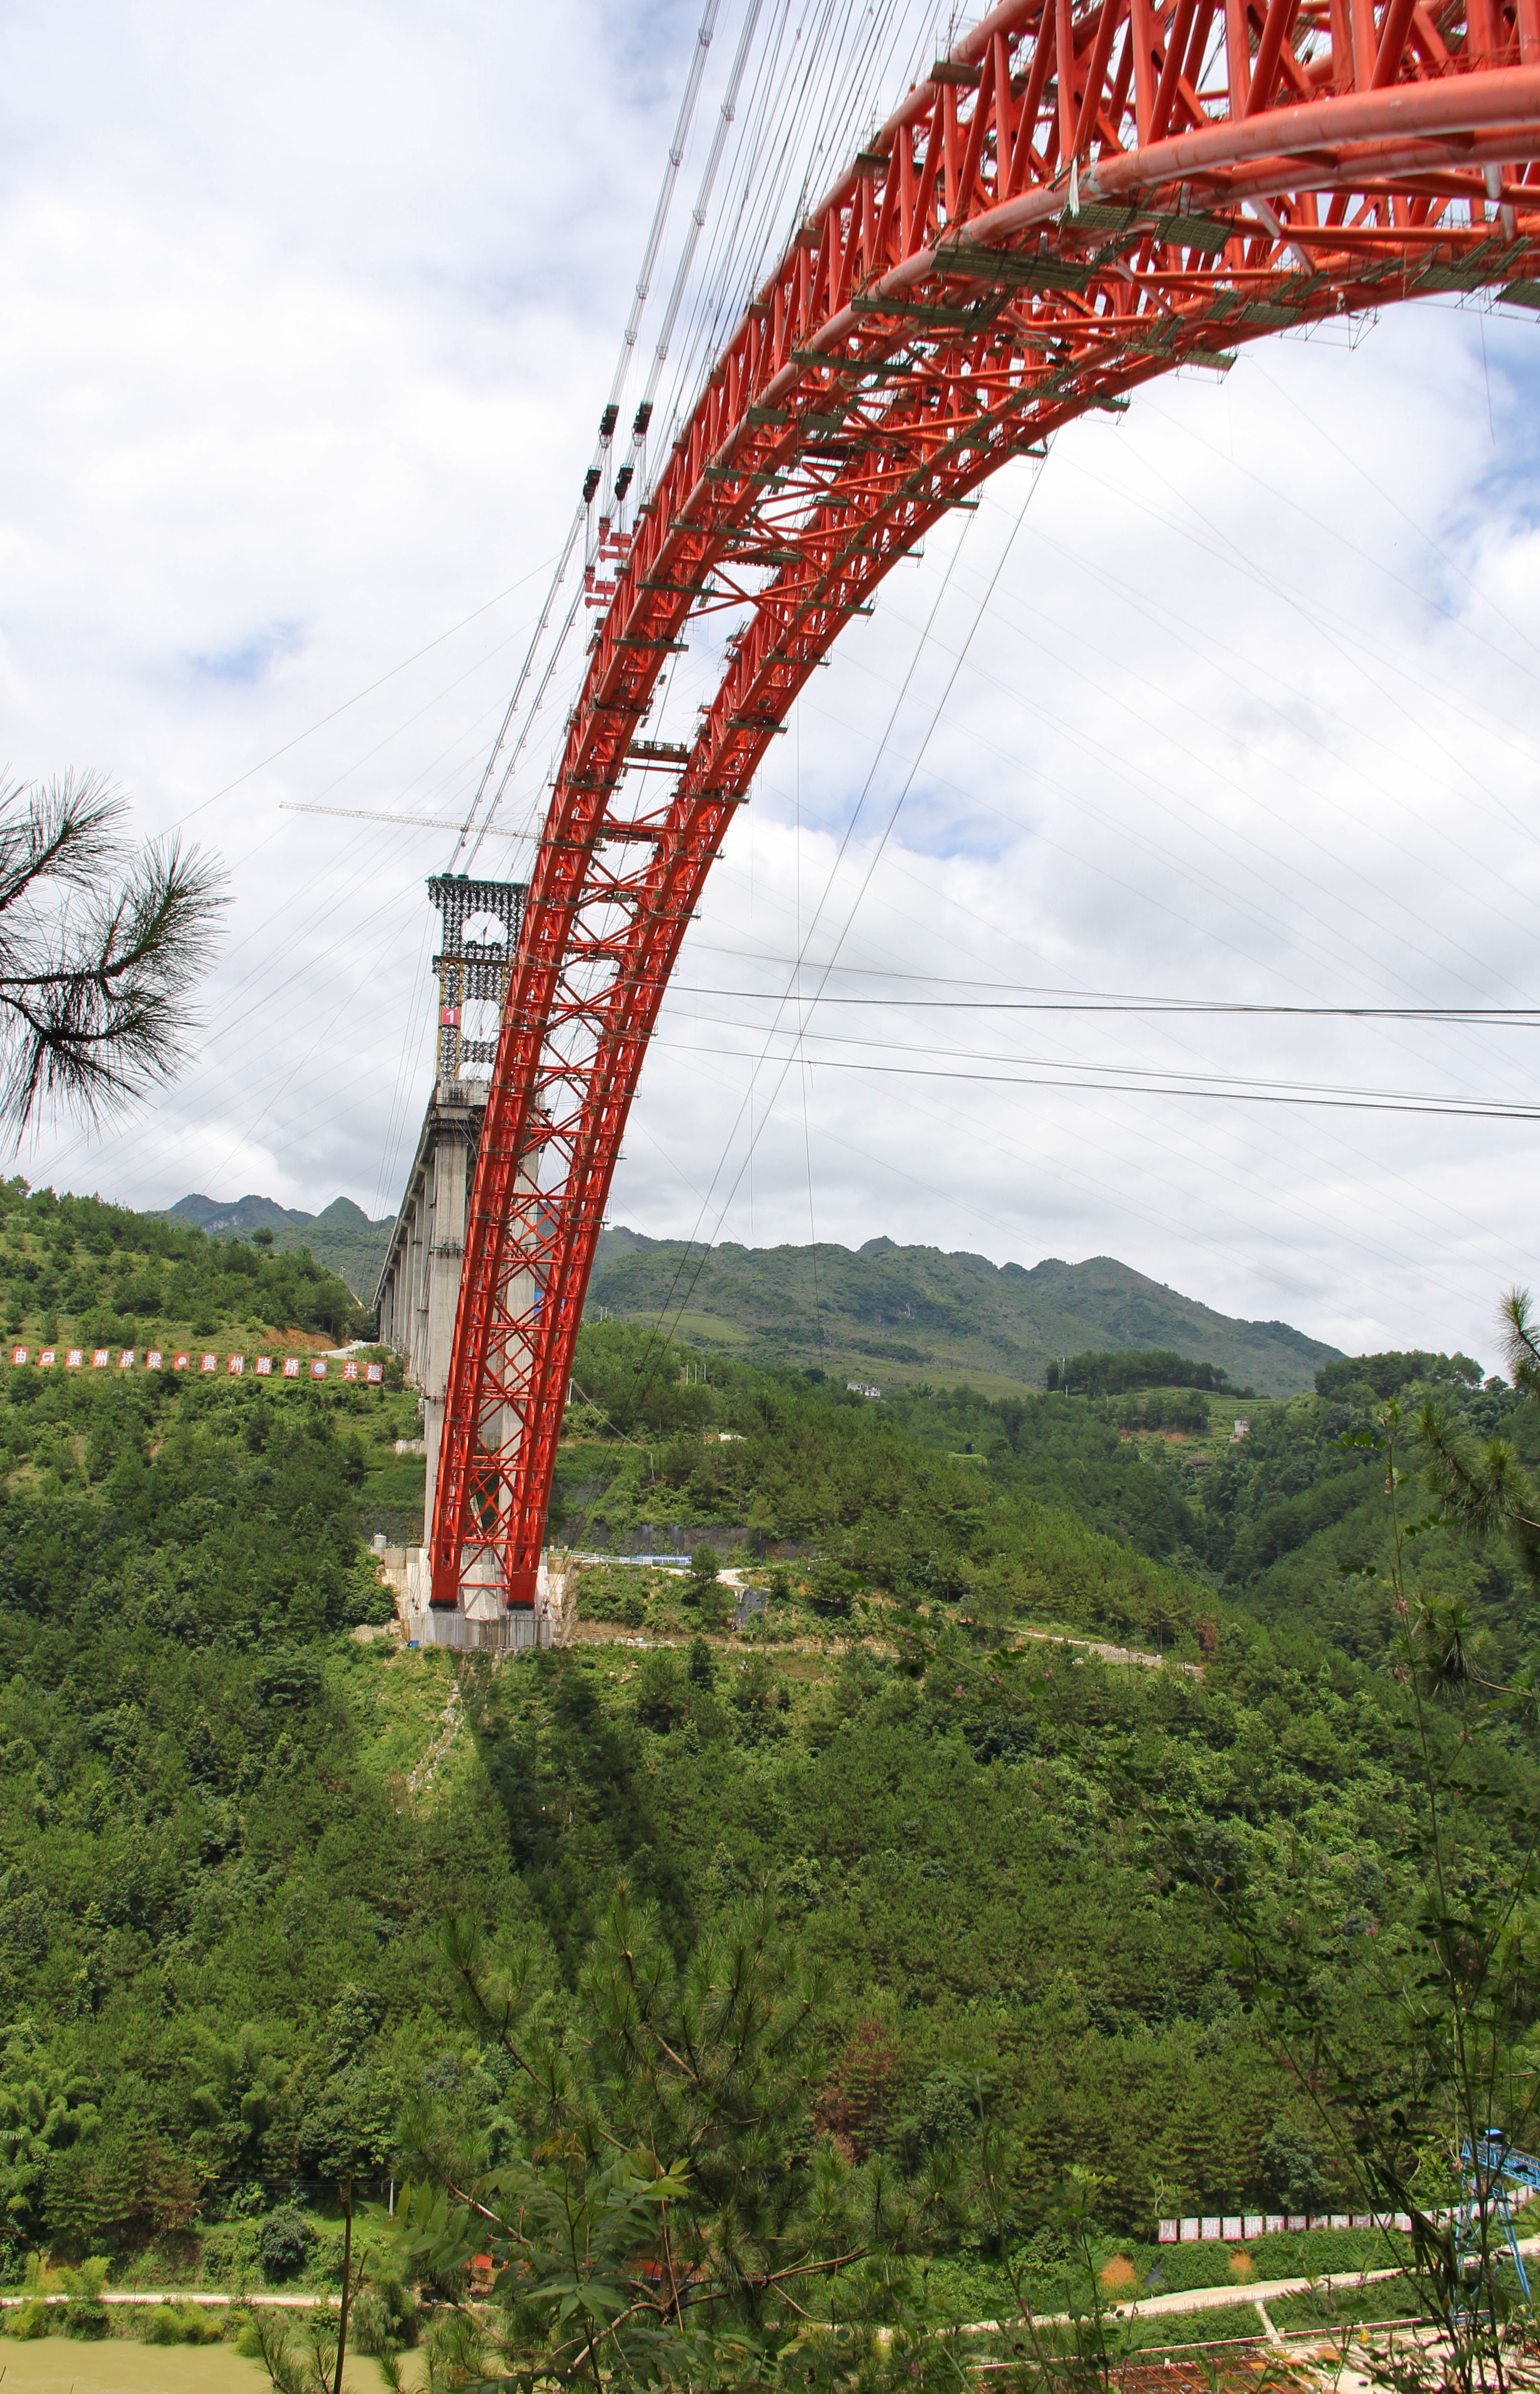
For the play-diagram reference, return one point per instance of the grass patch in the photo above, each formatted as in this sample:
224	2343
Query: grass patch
1225	2324
400	1483
398	1701
1388	2298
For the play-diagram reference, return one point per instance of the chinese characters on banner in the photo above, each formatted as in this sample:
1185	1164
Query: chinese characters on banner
371	1374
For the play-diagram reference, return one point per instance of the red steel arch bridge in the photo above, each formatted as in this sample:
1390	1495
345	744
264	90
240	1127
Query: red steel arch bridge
1079	198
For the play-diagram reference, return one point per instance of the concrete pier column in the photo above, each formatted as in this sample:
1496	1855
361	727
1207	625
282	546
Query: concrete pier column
419	1284
446	1246
418	1290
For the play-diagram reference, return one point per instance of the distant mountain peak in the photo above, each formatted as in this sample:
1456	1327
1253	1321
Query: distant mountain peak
341	1236
343	1215
249	1213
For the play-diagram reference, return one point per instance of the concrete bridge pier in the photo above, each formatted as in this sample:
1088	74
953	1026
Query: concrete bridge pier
417	1294
419	1286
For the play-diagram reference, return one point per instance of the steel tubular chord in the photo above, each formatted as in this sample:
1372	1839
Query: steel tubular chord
1078	199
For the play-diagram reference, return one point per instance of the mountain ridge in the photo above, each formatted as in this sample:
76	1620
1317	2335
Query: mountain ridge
923	1311
911	1312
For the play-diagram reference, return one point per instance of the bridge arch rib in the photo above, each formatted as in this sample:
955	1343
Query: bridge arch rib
1078	199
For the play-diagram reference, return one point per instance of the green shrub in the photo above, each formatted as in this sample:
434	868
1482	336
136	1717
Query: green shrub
231	2257
831	1588
1330	2306
31	2321
169	2323
284	2242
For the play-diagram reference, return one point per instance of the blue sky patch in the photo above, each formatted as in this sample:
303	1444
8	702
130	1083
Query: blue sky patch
250	661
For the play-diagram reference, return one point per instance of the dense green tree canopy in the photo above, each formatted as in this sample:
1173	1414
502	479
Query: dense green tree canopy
230	1824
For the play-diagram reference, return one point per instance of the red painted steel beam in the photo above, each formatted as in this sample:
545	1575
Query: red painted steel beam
1080	199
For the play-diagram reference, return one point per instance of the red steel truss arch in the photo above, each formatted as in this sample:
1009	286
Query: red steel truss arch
1078	199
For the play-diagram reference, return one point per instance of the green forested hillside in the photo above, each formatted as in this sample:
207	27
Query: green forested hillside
227	1829
233	1810
75	1268
209	1868
1264	1521
905	1314
341	1237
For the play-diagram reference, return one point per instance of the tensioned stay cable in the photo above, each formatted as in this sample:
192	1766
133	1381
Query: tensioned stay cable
628	341
785	996
438	641
956	663
806	69
823	95
296	928
726	115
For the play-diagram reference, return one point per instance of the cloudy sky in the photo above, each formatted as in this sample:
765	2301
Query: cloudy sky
309	315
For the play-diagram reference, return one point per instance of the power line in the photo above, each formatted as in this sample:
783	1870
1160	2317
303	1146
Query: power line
1164	1083
1117	1002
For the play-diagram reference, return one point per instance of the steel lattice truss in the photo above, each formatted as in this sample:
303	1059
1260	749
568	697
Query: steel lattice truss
1076	200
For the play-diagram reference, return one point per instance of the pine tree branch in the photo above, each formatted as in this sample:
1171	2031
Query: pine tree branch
99	950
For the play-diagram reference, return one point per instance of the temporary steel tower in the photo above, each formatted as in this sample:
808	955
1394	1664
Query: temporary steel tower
1083	195
472	972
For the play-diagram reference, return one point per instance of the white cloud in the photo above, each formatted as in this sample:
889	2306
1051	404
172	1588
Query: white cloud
309	318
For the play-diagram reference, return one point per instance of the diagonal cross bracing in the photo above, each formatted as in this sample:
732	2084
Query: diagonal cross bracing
1078	199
